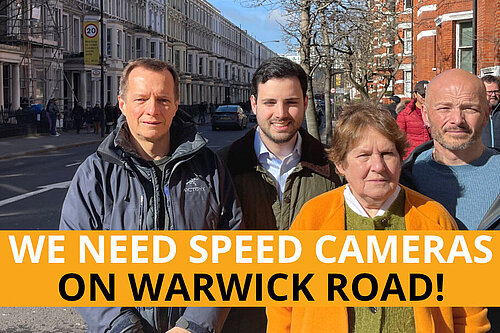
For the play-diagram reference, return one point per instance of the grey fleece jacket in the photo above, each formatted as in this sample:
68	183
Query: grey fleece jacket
114	189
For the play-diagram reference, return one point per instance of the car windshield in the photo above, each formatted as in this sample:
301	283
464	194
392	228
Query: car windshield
227	108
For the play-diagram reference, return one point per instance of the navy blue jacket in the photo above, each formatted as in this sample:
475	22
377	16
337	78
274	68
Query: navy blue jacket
491	131
116	190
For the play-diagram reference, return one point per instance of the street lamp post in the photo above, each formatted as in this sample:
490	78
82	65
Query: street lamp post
102	119
261	44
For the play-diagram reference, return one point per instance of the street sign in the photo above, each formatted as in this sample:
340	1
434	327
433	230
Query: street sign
332	90
95	74
91	43
91	30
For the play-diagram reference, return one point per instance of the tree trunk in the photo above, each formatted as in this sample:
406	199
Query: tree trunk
305	53
328	77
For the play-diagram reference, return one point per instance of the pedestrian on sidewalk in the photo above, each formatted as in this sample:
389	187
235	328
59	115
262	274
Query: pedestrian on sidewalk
87	119
202	110
109	112
52	112
77	114
96	118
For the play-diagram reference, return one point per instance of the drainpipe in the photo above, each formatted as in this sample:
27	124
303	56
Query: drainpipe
413	42
474	37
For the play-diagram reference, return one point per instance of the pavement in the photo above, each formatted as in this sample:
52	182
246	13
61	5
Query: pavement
44	319
25	145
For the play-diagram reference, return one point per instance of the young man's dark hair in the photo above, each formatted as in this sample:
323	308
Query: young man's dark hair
278	68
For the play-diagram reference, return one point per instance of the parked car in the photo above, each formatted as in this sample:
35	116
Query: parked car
229	116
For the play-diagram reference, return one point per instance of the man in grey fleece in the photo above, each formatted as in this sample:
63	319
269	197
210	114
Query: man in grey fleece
153	172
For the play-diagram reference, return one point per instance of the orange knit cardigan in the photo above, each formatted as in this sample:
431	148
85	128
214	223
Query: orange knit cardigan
327	212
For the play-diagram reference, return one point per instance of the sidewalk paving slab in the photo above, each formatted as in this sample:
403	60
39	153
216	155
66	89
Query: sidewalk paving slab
27	145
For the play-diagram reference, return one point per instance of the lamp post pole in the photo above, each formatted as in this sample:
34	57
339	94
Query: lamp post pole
102	120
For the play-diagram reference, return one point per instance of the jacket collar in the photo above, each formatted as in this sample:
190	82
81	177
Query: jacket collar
183	137
242	157
495	109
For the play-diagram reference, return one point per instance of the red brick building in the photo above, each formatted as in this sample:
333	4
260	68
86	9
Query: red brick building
442	38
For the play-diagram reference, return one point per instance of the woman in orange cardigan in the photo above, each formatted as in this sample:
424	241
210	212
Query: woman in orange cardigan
367	147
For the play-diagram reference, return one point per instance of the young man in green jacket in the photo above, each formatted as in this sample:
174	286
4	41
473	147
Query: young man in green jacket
277	166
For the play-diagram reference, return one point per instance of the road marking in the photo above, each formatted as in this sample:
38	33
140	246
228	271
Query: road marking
11	175
43	188
72	164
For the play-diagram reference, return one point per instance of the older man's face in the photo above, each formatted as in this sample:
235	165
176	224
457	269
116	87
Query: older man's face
456	111
149	105
492	93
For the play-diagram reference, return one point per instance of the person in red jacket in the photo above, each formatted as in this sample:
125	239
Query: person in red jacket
410	119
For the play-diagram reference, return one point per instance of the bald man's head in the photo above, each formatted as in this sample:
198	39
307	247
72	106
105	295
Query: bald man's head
456	109
456	77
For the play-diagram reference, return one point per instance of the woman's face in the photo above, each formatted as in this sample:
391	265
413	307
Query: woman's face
372	169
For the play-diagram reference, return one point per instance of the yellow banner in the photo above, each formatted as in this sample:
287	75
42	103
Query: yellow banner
91	43
249	268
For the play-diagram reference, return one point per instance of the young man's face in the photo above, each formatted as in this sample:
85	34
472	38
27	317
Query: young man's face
149	104
279	108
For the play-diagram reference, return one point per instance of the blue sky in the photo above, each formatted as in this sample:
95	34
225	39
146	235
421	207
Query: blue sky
259	22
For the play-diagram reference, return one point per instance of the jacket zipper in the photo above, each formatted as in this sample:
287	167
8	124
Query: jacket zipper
141	212
167	192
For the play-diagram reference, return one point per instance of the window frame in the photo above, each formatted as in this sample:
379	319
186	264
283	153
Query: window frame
459	49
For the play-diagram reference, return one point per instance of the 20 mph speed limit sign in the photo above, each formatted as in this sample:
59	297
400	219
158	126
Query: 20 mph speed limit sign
91	43
91	30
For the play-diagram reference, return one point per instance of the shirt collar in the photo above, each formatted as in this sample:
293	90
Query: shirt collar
262	151
356	207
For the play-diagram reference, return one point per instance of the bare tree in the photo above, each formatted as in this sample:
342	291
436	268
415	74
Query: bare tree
360	34
370	57
328	61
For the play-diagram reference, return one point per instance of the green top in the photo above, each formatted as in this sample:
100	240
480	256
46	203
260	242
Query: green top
384	319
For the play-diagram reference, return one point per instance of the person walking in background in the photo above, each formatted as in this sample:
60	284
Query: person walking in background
52	112
109	112
395	100
117	114
154	173
410	119
87	119
96	118
77	114
491	131
202	110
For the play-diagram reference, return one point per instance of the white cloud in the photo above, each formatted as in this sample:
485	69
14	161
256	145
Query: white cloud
276	16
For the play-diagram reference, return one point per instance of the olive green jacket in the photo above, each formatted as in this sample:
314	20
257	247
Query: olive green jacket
258	196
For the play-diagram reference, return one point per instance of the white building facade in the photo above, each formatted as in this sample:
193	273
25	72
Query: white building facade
42	50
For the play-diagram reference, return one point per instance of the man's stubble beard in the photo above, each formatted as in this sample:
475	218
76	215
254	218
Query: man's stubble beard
440	138
275	139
